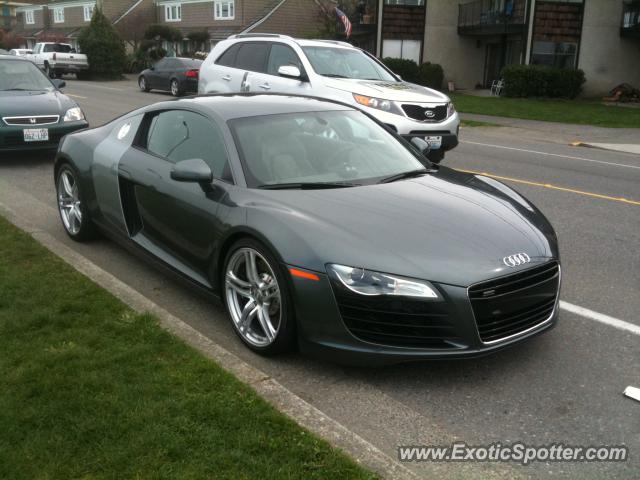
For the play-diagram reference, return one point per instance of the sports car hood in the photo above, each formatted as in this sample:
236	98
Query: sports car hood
396	91
20	104
448	227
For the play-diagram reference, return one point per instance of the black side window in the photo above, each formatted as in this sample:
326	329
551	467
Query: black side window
160	64
48	48
252	56
228	58
282	55
178	135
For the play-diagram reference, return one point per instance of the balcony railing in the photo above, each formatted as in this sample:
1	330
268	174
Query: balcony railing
489	17
630	19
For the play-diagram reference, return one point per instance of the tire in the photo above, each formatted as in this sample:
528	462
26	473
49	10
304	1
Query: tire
252	303
436	156
142	83
82	75
49	71
72	208
175	88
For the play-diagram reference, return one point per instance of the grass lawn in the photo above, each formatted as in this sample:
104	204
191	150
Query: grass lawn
89	389
583	112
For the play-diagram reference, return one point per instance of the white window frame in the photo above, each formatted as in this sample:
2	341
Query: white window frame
58	14
29	17
87	11
169	12
218	13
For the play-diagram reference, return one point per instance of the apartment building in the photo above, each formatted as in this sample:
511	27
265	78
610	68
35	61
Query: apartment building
221	18
62	20
8	16
474	39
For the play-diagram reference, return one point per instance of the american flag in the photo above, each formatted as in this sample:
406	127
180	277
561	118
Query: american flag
345	21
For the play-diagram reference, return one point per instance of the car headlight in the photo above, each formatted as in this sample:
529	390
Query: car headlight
370	283
377	103
73	115
450	109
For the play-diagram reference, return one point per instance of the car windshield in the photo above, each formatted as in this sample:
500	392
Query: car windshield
346	63
336	148
22	75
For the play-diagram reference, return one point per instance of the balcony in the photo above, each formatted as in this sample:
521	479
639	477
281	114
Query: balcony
492	17
630	26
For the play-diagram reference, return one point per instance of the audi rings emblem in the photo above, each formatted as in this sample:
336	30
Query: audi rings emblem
516	260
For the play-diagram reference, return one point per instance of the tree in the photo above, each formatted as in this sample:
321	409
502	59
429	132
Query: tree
103	46
199	39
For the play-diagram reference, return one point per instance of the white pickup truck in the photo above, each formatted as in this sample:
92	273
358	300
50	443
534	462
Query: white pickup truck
58	58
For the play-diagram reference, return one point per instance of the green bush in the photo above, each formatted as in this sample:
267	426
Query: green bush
407	69
103	46
431	75
163	32
542	81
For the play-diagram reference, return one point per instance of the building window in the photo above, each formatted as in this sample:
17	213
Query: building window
173	12
224	10
88	12
407	49
554	54
58	15
29	17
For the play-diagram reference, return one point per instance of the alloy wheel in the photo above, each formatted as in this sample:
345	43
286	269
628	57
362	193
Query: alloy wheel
69	202
142	83
174	88
253	297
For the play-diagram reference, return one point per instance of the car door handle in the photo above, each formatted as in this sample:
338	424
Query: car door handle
265	86
227	78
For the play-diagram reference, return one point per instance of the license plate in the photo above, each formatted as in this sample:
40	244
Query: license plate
36	134
435	142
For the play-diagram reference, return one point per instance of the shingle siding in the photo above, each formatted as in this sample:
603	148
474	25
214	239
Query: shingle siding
298	18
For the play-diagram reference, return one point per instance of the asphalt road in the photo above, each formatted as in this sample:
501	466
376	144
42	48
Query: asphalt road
562	387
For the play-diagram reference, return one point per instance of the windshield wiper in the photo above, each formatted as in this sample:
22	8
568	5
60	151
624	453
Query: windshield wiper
16	89
402	176
333	75
307	185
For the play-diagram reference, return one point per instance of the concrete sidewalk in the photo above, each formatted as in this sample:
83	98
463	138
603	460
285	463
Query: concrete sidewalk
568	133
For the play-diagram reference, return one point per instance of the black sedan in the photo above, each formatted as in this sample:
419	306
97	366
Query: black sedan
35	114
317	227
176	75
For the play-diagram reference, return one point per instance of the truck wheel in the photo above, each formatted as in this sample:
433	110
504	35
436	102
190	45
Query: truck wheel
82	75
49	71
436	156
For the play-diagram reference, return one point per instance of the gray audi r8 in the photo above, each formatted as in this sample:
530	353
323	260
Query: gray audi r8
316	226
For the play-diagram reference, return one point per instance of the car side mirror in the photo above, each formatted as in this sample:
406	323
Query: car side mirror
194	170
59	83
421	145
290	71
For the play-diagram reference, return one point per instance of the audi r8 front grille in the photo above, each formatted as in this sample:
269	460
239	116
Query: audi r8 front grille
513	304
425	114
37	120
396	321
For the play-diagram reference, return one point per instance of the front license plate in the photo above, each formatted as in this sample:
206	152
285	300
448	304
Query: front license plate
435	142
36	134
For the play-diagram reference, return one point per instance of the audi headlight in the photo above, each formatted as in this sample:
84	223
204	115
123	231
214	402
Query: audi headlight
377	103
450	109
73	115
370	283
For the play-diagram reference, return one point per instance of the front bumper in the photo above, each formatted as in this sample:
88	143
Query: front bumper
323	331
409	128
12	137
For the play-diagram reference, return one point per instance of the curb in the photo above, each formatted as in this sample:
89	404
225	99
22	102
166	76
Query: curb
610	147
283	399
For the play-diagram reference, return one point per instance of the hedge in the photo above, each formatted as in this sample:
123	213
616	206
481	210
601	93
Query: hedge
542	81
428	74
103	46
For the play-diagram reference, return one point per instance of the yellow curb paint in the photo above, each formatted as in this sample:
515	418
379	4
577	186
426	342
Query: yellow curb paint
554	187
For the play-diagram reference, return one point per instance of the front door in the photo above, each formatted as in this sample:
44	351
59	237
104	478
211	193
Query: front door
174	220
